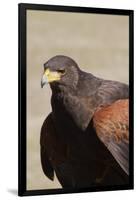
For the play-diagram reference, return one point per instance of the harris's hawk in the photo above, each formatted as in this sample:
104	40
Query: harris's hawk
84	140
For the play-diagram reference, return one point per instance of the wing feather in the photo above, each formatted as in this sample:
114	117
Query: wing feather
44	139
112	127
53	148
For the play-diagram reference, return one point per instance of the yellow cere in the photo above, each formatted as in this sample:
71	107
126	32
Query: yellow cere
52	75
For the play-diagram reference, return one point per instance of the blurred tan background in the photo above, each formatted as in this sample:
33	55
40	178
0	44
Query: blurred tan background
98	43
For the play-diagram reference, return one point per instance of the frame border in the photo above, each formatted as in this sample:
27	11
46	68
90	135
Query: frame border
22	106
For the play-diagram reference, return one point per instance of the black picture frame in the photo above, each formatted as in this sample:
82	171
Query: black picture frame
22	191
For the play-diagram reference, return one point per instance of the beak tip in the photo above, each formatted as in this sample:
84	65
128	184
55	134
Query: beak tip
43	81
41	84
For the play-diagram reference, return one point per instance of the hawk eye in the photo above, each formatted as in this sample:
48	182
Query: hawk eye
61	71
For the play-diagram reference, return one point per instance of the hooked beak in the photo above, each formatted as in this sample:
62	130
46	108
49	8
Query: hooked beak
49	76
44	80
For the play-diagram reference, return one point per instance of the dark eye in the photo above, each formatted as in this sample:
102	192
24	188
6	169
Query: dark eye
61	71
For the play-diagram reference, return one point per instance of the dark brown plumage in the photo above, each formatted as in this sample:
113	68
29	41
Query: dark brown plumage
70	136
